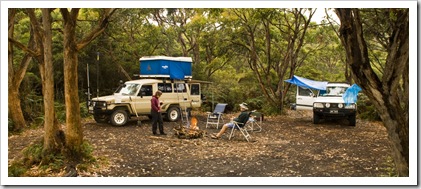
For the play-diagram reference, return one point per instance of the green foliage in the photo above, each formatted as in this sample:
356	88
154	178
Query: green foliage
222	43
32	155
366	109
60	109
84	112
87	158
17	169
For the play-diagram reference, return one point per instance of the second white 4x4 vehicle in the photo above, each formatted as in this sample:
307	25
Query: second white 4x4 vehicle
330	104
133	98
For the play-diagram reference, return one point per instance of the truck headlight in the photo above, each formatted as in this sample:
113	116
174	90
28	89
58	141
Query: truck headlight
100	104
318	105
350	106
327	105
340	105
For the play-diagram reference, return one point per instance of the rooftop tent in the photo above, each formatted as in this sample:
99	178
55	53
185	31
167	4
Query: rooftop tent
307	83
166	67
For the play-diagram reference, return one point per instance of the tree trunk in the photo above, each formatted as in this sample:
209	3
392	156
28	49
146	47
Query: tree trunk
74	135
52	137
382	92
15	79
15	109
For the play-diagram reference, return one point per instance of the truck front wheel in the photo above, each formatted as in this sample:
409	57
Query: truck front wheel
316	118
101	118
119	117
351	120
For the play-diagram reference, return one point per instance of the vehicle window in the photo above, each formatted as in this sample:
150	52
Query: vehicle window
129	89
165	87
146	90
304	92
335	91
180	87
195	89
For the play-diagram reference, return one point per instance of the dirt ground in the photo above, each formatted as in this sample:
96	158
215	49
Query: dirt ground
288	146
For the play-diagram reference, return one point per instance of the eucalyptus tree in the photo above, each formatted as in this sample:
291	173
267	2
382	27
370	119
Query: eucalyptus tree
323	54
16	71
40	50
362	31
215	51
133	34
272	41
72	45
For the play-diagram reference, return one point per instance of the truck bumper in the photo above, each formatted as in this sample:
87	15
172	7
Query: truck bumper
324	112
99	110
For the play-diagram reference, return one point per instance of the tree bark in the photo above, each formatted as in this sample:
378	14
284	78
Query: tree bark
74	133
52	140
15	79
383	92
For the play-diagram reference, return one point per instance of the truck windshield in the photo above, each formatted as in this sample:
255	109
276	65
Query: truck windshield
335	91
128	89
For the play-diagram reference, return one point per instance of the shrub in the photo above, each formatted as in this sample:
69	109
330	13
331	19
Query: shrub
34	163
366	109
84	112
16	169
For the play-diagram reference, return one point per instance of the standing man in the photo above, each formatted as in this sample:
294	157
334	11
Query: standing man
156	113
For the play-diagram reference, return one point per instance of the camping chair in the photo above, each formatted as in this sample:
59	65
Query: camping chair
255	120
241	127
215	117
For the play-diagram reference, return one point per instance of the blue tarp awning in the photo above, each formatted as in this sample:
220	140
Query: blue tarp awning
351	94
307	83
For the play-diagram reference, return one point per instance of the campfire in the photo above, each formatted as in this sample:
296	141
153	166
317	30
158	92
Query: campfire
191	131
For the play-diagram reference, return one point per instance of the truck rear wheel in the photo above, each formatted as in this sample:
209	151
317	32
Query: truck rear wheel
173	114
119	117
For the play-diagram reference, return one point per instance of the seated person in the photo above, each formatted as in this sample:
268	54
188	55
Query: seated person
242	116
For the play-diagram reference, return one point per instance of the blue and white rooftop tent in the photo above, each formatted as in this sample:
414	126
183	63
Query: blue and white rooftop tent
178	68
307	83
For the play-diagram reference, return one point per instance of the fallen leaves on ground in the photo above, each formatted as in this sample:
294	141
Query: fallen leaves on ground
288	146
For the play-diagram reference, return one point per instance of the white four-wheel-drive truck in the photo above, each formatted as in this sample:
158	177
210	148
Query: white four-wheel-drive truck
171	75
331	104
326	99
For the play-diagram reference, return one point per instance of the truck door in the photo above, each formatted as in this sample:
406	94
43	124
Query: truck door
304	98
180	90
195	95
143	99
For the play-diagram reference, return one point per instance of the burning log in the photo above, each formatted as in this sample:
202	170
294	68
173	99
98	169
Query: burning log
188	133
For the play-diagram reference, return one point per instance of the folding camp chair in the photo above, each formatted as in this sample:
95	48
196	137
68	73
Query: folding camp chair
241	127
255	121
215	117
